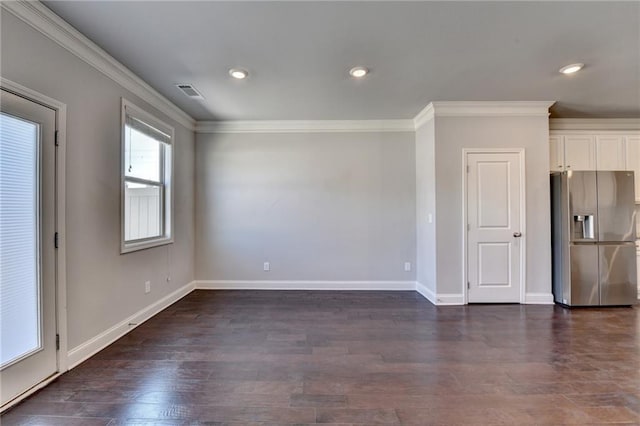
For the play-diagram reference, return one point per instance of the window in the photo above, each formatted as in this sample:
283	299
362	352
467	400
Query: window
147	163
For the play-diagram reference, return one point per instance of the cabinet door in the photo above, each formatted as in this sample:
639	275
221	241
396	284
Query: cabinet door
632	160
610	153
580	152
556	154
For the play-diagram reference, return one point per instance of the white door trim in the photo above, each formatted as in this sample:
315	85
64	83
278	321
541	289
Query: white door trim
61	265
523	222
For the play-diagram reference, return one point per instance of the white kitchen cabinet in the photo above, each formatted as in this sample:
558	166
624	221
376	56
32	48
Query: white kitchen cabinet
610	152
579	152
556	154
572	152
632	160
596	150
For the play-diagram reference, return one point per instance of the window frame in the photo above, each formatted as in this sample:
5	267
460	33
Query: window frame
166	184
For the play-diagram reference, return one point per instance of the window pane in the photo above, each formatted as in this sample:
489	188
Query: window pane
19	280
142	211
142	155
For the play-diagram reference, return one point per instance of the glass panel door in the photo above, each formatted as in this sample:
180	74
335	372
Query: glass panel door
28	352
19	240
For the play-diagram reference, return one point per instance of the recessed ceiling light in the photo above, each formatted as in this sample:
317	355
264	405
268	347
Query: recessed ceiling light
238	73
570	69
358	72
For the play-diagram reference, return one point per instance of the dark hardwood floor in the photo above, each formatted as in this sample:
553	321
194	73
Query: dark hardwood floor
250	357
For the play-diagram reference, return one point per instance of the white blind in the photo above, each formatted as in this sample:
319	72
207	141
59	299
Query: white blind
19	258
146	128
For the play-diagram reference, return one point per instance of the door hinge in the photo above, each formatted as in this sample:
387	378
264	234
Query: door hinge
57	142
57	342
468	169
55	240
468	285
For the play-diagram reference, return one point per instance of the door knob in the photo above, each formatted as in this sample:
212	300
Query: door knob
517	234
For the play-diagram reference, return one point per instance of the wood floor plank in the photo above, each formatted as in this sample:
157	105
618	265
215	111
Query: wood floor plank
361	358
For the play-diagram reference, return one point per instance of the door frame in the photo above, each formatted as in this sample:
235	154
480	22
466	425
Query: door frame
523	216
60	223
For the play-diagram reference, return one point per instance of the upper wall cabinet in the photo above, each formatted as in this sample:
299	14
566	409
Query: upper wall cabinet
632	161
572	152
596	150
610	153
579	152
556	154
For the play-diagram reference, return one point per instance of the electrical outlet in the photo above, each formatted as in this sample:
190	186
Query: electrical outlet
147	286
407	266
266	267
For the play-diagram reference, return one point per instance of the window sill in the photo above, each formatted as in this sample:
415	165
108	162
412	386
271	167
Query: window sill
143	245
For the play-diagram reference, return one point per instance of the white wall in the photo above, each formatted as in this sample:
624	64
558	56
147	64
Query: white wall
317	206
103	287
426	264
452	135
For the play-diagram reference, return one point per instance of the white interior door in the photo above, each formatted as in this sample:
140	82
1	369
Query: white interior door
27	231
494	236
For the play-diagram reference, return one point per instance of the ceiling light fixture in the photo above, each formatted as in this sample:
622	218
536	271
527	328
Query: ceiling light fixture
358	72
238	73
570	69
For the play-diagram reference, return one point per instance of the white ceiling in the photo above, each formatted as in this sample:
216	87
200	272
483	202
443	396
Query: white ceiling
299	53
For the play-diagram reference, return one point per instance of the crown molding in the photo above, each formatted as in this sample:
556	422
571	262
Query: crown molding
55	28
482	109
427	114
305	126
433	109
603	124
492	108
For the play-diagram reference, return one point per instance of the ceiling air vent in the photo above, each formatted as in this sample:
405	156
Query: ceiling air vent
190	91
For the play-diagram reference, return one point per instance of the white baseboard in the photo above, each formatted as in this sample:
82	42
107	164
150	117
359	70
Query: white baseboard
304	285
458	299
538	299
447	299
427	293
87	349
442	299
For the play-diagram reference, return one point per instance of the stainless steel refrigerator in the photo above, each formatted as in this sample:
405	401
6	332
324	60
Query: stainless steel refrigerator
593	238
